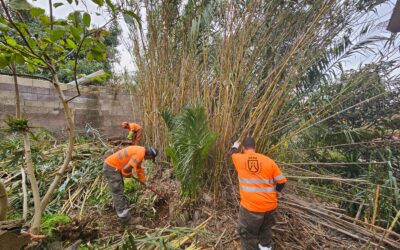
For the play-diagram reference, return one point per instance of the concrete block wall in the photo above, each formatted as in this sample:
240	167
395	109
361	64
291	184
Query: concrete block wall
102	107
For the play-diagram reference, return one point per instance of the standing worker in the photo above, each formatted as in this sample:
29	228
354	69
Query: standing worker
135	132
260	180
121	164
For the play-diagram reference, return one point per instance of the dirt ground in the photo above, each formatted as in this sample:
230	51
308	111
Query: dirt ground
290	232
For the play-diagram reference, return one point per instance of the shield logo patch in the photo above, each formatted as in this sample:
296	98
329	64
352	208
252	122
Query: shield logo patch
253	166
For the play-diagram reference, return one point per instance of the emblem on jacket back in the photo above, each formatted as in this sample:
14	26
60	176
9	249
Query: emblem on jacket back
253	165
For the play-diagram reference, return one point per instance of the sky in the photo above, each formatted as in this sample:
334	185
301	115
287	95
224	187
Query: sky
383	12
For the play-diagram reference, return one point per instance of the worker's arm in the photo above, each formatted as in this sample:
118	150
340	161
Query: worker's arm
279	178
136	165
279	187
127	170
235	147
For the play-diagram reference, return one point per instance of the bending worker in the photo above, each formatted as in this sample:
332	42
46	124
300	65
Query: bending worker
135	132
259	180
121	164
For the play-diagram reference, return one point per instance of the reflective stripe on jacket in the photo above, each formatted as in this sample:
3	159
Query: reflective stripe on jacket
258	175
132	155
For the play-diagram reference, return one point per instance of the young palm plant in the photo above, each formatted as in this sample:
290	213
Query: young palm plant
190	141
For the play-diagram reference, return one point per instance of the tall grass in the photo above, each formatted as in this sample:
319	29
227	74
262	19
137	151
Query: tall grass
258	67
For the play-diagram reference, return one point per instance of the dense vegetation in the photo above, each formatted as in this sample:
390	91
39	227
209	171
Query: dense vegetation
209	73
275	70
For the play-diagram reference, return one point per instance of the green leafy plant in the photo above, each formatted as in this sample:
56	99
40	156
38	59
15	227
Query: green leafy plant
17	124
131	189
129	243
50	222
190	141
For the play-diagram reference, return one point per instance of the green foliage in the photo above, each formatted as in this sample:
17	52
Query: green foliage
11	150
129	243
50	222
35	42
17	124
14	215
190	141
131	189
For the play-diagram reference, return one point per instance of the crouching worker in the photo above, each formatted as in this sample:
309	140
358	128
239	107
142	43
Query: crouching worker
121	164
260	180
135	132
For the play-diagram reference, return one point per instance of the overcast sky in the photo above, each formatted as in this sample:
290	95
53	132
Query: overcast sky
383	12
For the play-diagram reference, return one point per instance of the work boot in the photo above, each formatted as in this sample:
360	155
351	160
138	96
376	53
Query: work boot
264	247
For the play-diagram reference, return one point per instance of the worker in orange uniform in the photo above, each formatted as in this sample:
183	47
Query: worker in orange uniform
135	132
260	180
121	164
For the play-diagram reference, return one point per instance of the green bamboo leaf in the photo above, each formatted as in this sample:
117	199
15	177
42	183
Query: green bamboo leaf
98	2
128	15
111	5
86	19
36	12
57	5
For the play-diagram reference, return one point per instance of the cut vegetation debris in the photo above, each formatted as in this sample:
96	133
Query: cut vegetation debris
282	72
83	196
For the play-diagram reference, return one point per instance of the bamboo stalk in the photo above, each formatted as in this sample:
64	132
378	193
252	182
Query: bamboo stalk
327	178
376	202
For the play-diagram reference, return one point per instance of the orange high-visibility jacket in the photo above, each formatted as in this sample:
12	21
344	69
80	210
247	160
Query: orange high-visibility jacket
132	155
257	177
134	127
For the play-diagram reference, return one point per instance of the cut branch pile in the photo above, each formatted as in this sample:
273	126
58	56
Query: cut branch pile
311	225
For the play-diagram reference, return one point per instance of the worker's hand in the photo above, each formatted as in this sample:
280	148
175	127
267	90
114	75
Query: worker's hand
236	144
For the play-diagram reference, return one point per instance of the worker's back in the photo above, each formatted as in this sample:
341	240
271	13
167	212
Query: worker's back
257	177
134	127
121	158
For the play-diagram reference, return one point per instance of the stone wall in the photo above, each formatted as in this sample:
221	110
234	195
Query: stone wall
102	107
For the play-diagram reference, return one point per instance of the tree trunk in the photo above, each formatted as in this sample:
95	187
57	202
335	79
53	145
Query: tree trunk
68	154
3	202
18	115
25	196
35	189
17	102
